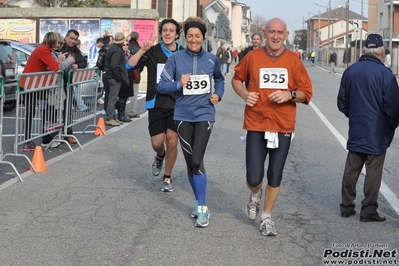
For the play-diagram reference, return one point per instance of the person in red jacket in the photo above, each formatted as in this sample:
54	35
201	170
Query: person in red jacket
40	60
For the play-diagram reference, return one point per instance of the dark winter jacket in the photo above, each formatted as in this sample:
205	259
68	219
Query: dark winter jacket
77	55
115	64
369	97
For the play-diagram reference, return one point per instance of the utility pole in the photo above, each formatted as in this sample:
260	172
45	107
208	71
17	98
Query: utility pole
318	40
390	25
361	29
347	33
329	25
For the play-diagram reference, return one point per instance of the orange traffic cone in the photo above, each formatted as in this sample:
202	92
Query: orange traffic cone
38	160
100	125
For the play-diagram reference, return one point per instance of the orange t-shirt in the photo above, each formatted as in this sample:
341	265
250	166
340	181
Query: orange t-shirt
265	74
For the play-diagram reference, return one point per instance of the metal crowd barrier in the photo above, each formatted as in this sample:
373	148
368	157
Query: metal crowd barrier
39	110
82	87
1	128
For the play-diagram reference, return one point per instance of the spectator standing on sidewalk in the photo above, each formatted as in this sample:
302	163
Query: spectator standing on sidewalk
195	108
224	60
387	58
70	48
134	47
93	52
369	96
107	40
269	115
160	106
126	90
332	61
117	76
219	51
41	60
229	58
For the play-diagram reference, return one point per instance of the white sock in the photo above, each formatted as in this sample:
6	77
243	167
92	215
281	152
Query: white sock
255	196
264	215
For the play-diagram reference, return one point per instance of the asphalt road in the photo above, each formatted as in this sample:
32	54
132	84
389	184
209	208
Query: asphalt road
102	206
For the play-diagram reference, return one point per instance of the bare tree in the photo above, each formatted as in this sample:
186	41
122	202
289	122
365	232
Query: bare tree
72	3
258	23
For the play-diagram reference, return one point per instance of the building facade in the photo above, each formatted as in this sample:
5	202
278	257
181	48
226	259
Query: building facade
239	15
329	29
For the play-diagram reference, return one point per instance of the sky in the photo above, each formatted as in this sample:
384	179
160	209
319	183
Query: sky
294	12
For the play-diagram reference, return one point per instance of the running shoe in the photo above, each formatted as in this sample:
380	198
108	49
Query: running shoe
194	214
267	227
203	218
167	185
29	146
253	207
157	166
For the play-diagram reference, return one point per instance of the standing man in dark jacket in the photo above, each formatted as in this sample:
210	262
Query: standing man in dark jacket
69	47
116	74
369	97
107	40
133	48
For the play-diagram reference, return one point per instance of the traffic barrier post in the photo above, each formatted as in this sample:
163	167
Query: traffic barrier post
1	130
39	98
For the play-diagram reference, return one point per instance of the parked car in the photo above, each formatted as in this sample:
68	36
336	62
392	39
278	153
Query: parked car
21	52
8	69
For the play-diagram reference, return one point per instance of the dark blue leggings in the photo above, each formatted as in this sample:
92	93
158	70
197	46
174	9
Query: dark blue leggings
256	152
194	138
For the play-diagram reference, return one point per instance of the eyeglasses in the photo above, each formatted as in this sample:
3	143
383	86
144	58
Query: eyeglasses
125	44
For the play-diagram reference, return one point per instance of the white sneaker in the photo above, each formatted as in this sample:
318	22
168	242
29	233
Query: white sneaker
267	227
253	206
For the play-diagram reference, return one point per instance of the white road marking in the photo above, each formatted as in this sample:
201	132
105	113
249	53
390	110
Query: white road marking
385	190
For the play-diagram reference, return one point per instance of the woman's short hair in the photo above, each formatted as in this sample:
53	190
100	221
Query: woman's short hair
51	38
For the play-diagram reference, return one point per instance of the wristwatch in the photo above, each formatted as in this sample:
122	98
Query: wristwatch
293	95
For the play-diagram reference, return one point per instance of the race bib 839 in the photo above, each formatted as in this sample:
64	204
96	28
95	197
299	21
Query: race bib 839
198	84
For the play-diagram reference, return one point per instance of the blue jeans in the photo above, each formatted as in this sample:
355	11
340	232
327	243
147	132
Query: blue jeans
78	98
224	69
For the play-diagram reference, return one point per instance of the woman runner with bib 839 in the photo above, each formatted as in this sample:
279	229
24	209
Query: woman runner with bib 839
189	73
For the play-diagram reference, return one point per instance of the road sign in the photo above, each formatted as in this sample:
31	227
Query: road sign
356	33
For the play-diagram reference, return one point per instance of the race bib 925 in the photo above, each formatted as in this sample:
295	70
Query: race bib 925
273	78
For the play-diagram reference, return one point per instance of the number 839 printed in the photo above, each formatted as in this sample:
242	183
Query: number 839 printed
198	84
